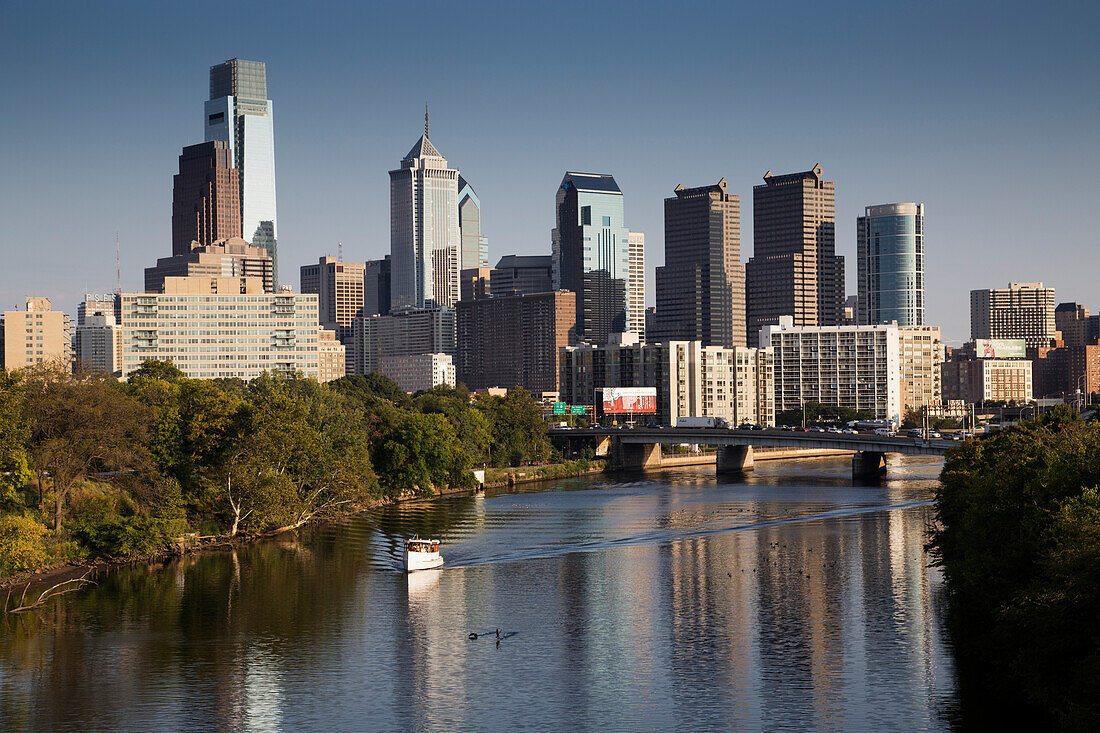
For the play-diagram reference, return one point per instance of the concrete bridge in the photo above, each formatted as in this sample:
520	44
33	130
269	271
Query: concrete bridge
640	448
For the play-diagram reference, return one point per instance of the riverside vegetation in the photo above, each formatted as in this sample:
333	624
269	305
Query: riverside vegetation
1019	542
93	467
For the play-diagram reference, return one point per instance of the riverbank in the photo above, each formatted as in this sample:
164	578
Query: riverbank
38	579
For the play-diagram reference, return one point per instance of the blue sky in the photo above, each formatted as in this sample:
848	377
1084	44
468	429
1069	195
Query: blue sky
987	113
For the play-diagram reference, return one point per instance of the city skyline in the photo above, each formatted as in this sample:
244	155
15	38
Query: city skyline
979	134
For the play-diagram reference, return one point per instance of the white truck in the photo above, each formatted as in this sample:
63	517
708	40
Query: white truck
702	422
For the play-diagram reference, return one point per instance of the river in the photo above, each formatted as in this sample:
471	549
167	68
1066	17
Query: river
794	599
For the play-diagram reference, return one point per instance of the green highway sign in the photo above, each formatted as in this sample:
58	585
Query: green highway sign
577	409
560	408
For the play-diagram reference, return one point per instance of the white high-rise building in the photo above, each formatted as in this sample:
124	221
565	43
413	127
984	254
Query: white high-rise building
855	367
635	284
424	232
240	113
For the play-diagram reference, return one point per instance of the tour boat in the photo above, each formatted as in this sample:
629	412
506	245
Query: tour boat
422	554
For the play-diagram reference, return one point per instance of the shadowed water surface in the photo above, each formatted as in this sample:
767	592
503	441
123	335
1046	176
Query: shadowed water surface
793	600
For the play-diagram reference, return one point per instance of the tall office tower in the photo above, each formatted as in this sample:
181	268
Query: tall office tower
240	113
591	254
1020	311
475	246
516	274
794	270
701	287
232	257
339	289
635	284
921	353
206	197
376	287
890	264
38	334
424	235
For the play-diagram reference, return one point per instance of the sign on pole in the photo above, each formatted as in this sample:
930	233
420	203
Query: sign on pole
560	408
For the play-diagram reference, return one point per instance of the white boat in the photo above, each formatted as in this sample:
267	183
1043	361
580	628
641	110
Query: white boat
421	554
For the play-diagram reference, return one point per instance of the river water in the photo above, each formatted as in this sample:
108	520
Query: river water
795	599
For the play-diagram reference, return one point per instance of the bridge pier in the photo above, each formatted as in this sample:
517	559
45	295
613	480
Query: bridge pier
733	459
603	446
634	456
868	464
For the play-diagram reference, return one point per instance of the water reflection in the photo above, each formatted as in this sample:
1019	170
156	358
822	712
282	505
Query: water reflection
787	601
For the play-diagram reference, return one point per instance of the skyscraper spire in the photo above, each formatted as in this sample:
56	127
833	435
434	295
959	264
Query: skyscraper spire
425	119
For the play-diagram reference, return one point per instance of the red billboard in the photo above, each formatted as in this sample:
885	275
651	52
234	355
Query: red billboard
630	400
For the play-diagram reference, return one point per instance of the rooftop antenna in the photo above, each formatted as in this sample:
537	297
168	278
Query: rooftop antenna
339	251
425	119
118	269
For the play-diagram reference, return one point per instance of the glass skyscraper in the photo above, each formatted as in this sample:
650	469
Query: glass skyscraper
890	251
240	113
475	246
424	233
591	254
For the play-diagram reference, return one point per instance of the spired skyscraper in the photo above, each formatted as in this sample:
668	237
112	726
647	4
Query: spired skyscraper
240	113
591	254
701	287
890	254
424	231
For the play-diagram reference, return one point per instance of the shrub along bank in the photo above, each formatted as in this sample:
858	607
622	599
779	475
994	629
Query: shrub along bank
93	467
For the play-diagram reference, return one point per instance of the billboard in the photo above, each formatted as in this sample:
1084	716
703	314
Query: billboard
630	400
999	348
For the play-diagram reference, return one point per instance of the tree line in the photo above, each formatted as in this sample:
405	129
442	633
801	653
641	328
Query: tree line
1018	538
91	465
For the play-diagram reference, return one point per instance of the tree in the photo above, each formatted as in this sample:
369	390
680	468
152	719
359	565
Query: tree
14	432
416	455
1019	541
81	425
518	428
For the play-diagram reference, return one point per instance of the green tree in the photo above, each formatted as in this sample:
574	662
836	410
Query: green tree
1019	541
82	425
21	544
14	432
416	455
518	428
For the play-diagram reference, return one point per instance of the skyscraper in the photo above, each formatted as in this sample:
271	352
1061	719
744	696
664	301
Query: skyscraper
475	246
591	255
794	270
206	197
1020	311
701	287
339	289
376	287
635	284
240	113
424	233
890	264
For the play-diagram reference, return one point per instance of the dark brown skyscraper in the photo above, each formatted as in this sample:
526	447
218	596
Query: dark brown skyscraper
701	287
794	270
206	197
